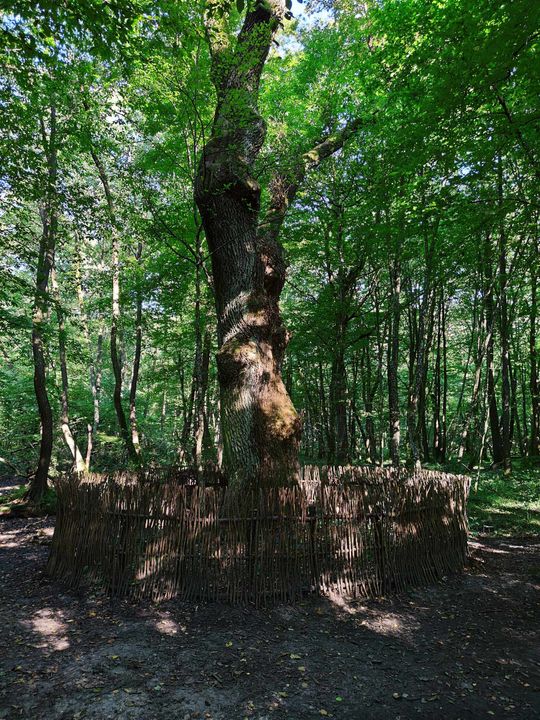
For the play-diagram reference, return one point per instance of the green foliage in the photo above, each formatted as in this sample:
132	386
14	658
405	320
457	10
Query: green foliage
501	505
444	92
14	502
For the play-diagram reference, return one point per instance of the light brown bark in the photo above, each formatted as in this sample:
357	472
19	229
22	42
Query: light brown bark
116	356
79	464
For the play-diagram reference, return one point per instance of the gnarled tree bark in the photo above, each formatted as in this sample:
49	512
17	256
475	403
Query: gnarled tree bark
261	429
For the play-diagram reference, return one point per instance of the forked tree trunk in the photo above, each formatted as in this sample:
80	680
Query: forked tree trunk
261	428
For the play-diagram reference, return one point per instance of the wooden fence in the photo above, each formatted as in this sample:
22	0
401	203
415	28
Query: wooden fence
352	531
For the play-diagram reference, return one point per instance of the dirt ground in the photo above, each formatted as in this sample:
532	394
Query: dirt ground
466	648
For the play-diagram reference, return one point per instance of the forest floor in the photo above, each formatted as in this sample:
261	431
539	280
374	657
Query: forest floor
464	648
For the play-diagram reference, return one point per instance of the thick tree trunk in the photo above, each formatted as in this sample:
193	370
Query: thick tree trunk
261	429
49	220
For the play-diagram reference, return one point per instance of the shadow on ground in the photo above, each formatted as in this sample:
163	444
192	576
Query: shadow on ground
465	648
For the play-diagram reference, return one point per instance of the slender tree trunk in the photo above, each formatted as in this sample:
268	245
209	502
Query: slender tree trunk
534	385
95	371
136	359
200	365
116	355
496	437
326	436
369	390
79	463
504	330
444	429
422	431
440	387
437	431
189	408
49	221
515	421
115	352
353	411
393	364
416	404
201	421
338	403
472	411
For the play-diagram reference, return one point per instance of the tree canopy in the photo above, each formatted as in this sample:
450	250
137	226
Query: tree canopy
262	232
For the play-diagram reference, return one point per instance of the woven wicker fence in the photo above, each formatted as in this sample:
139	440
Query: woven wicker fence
352	531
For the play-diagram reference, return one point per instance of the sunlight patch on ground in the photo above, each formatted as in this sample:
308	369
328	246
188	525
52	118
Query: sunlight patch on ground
50	626
167	626
340	602
9	539
486	548
389	625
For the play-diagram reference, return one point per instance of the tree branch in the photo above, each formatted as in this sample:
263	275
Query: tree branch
285	184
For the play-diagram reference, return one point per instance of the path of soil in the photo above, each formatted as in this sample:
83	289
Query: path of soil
466	648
